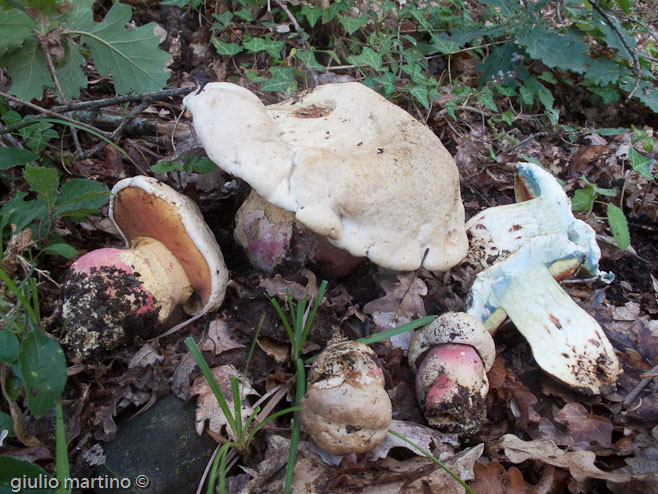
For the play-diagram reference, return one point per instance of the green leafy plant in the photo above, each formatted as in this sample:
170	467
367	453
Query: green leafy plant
244	433
192	163
63	35
30	357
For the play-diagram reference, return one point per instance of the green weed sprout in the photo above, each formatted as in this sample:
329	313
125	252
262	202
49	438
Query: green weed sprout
244	433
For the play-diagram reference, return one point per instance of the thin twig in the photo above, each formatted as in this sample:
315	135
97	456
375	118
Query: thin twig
631	52
300	30
44	111
630	397
43	41
126	98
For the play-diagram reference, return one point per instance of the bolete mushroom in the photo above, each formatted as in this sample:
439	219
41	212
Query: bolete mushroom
346	408
172	259
542	208
452	354
265	232
565	340
351	165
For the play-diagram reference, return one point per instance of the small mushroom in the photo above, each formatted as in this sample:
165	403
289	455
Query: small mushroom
452	355
346	408
352	166
266	231
565	340
543	209
172	260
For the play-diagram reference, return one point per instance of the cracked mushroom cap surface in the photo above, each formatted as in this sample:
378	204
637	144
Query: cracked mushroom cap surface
145	207
353	167
346	408
453	328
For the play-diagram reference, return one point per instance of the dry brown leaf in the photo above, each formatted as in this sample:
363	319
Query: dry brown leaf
579	463
145	356
279	352
504	385
585	427
402	303
207	407
494	479
277	286
220	338
416	433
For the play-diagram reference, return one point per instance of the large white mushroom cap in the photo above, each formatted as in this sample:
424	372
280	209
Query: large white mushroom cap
351	165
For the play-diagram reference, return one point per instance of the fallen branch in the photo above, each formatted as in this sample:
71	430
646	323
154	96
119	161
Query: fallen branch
127	98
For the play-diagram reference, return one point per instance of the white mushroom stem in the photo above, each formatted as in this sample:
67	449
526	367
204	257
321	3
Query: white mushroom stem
566	341
545	209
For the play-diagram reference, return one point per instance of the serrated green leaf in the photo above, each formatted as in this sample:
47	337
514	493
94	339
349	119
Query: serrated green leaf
20	212
9	346
224	48
223	19
330	12
619	226
80	194
267	44
486	98
244	14
646	93
28	70
507	117
43	181
604	71
352	25
204	165
307	57
165	166
282	80
640	163
43	367
547	76
15	26
546	98
132	56
70	75
527	95
611	36
583	199
10	157
608	94
441	44
507	7
60	249
384	84
503	66
419	93
566	52
38	135
367	57
625	5
312	14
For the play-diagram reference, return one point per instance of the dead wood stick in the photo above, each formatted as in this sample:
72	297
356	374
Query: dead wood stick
126	98
630	397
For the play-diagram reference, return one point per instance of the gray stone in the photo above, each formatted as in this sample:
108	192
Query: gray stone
162	445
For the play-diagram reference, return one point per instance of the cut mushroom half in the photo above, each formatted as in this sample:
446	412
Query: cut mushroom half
351	165
566	341
543	209
172	260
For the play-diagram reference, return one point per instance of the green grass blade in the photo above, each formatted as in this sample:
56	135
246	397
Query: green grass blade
268	419
296	428
253	344
284	319
299	322
19	295
247	423
212	476
237	407
205	370
399	330
61	455
314	309
435	460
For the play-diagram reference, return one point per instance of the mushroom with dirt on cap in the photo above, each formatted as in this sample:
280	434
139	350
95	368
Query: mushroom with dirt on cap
452	355
352	166
346	408
172	260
